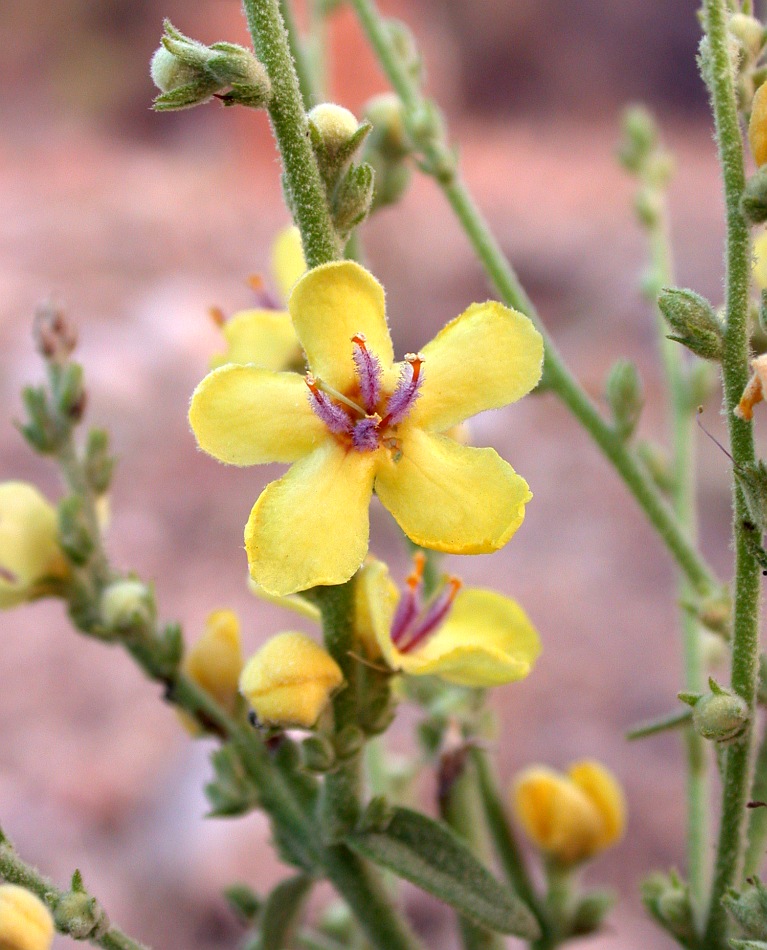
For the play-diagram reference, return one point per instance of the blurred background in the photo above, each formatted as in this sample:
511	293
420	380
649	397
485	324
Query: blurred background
138	222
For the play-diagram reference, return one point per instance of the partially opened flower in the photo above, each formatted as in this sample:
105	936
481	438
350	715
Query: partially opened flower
370	423
214	662
31	559
468	636
571	817
264	335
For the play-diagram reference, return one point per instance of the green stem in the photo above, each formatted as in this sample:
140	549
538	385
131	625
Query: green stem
15	871
735	376
459	807
757	824
317	45
300	58
438	162
303	182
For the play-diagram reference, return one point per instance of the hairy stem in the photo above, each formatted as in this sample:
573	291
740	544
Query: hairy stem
737	774
757	823
439	162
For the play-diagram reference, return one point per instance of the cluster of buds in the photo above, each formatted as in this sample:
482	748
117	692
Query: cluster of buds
188	73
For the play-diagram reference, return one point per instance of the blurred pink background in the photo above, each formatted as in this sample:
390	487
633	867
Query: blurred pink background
138	222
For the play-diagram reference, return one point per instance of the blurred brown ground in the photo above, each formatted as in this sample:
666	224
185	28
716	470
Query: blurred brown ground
137	223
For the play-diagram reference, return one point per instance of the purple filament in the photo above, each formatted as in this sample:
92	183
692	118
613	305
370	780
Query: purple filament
406	393
368	373
440	607
334	416
365	434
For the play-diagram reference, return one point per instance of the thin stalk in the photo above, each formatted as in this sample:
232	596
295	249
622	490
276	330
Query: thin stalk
303	183
757	823
299	54
558	378
459	806
318	29
680	418
15	871
745	642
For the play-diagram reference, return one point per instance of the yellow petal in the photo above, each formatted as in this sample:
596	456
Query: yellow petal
556	815
451	497
25	921
759	266
294	602
263	337
311	527
290	680
288	262
29	549
375	600
330	305
602	788
484	359
214	662
245	415
486	640
757	126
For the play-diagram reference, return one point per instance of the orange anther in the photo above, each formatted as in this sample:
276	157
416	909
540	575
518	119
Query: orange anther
217	315
416	575
255	282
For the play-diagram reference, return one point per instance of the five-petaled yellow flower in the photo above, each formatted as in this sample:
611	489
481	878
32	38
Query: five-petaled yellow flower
264	335
359	422
574	816
464	635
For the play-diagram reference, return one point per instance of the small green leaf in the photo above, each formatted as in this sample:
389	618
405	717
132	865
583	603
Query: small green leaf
281	912
431	856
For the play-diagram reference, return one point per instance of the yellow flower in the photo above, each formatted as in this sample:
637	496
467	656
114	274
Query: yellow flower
759	263
25	921
757	126
571	817
290	680
30	555
265	335
367	424
214	662
468	636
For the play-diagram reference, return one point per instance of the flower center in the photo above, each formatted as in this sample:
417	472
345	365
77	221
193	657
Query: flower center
367	417
415	620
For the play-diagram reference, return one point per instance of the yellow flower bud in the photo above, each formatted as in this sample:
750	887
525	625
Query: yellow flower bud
25	921
215	660
335	124
126	604
290	680
571	817
757	126
29	548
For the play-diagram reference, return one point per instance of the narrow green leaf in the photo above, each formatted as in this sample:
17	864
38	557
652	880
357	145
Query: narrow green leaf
431	856
281	912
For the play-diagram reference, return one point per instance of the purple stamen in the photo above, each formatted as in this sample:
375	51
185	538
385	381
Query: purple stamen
334	416
402	399
436	612
368	373
365	434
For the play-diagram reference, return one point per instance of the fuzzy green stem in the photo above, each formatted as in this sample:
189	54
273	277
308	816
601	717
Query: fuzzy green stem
757	824
737	775
303	182
459	806
14	871
438	157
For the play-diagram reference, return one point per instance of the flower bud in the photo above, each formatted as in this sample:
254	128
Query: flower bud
625	397
693	321
214	662
290	680
719	715
335	126
81	916
640	138
749	909
667	898
385	114
31	558
318	754
126	605
749	32
571	817
757	126
25	921
753	203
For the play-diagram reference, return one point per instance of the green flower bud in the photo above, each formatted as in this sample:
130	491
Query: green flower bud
625	397
719	715
385	114
349	741
81	916
693	321
749	909
75	535
640	138
667	898
127	605
753	203
353	199
336	136
377	816
648	205
749	32
244	902
318	754
590	913
168	72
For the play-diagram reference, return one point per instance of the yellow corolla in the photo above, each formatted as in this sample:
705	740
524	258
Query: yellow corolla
25	921
759	263
757	126
571	817
265	335
30	555
290	680
358	422
214	662
467	636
